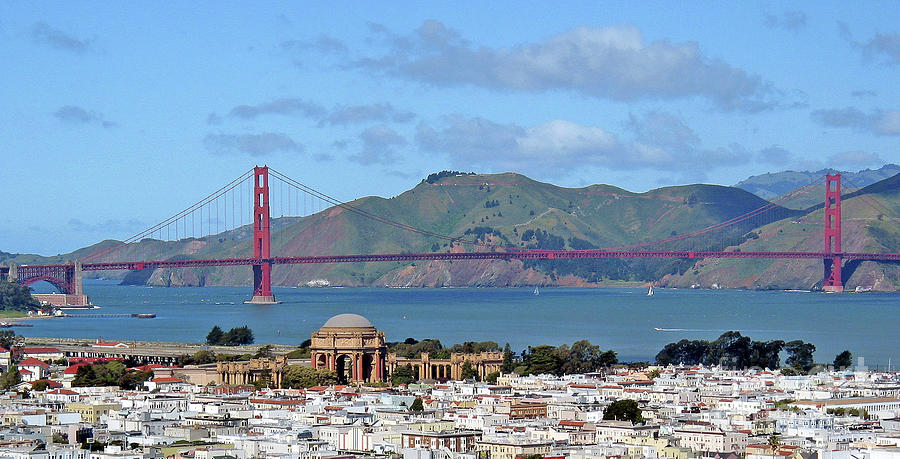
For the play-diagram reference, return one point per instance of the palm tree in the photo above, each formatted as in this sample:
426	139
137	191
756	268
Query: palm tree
774	442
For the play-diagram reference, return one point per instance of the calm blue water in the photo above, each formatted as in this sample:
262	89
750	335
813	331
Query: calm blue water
618	319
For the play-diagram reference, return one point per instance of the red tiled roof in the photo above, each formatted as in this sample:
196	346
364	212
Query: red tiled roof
25	372
32	362
63	392
41	350
74	368
167	380
572	423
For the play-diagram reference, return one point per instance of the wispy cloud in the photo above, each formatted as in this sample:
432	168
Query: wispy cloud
606	62
283	106
78	115
879	122
855	159
378	144
558	147
353	114
252	144
57	39
108	227
789	20
863	93
323	43
883	47
775	155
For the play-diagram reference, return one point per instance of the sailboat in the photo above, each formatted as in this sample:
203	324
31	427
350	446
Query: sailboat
650	290
537	291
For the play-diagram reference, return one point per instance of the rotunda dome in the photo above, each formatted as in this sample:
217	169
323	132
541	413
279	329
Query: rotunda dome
348	321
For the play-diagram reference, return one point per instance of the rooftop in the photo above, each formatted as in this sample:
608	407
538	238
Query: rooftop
348	321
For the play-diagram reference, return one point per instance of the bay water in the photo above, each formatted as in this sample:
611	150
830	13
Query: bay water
625	320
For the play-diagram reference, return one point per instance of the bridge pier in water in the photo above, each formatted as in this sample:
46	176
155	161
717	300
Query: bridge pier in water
262	249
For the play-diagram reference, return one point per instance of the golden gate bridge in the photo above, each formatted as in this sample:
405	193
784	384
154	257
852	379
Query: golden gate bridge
68	277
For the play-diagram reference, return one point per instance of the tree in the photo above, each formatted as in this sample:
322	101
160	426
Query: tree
492	377
215	336
15	297
623	410
417	405
7	339
238	336
263	352
843	360
202	357
800	355
542	359
508	359
10	378
40	385
774	442
468	372
130	380
403	375
301	376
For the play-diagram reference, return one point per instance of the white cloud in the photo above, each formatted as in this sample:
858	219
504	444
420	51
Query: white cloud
559	147
607	62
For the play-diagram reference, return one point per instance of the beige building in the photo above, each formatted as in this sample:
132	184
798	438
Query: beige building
350	345
510	449
425	367
265	369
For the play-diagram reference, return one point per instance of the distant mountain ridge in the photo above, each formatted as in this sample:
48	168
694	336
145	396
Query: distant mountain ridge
774	184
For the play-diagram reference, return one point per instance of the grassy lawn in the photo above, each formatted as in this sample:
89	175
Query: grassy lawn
12	314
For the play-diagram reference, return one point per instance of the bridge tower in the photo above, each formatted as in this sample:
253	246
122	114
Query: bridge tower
262	270
833	234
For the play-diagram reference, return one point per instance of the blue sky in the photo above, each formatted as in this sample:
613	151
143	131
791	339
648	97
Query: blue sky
114	116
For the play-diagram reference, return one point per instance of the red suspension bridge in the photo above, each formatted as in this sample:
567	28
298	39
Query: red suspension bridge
67	277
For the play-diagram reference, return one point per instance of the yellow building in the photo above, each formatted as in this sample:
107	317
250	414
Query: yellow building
91	412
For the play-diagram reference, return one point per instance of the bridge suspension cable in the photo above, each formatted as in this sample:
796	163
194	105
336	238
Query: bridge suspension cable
179	217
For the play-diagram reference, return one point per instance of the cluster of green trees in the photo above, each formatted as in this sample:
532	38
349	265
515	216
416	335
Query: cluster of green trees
437	176
203	357
301	377
412	348
624	410
582	357
235	337
10	378
15	297
733	350
110	374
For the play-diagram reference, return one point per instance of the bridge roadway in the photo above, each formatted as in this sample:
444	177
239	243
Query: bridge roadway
145	351
512	255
